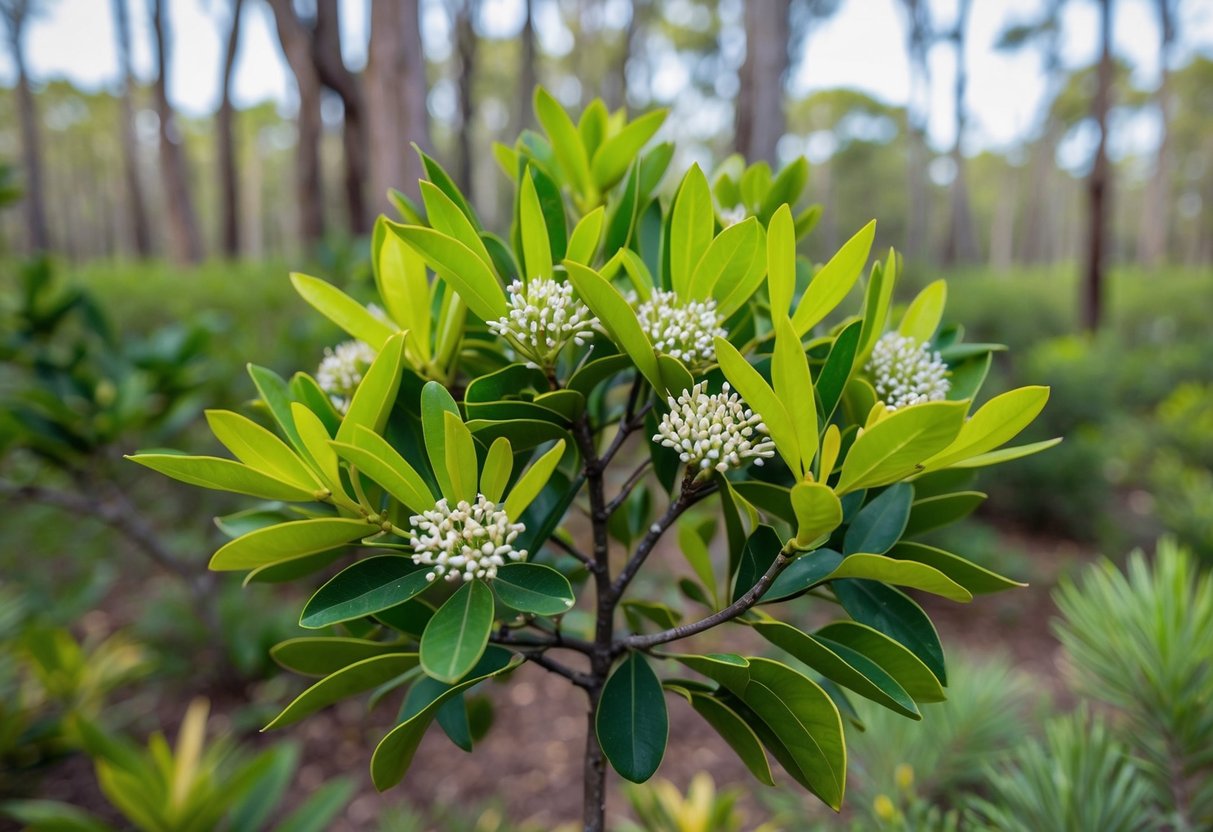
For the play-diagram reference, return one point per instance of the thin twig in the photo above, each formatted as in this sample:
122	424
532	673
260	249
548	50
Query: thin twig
687	497
570	549
578	678
624	492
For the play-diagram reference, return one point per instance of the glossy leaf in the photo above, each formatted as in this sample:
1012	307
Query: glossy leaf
805	572
901	573
834	280
910	672
934	512
343	310
976	579
1006	454
612	158
691	227
897	445
565	140
922	316
532	481
818	512
617	317
735	731
436	402
258	448
366	587
373	456
287	541
322	655
459	266
498	466
222	475
631	721
727	260
536	249
781	262
894	614
460	452
349	681
759	396
456	636
586	234
998	421
880	523
373	400
533	588
761	549
793	383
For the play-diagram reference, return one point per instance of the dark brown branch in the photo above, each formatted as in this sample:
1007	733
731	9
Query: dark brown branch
570	549
632	481
581	680
687	497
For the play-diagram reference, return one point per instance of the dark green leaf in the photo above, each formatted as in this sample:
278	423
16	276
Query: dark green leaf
533	588
367	587
632	723
456	636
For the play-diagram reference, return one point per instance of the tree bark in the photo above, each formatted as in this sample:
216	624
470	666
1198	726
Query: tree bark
1152	239
384	105
225	139
414	89
334	74
759	113
1099	184
16	15
184	238
309	182
1038	243
136	201
528	75
961	246
466	46
918	42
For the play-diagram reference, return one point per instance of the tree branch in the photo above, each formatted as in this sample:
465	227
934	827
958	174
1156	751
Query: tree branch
581	680
624	492
687	497
571	550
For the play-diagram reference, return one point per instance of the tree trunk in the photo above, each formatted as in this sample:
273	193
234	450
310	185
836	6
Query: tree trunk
917	107
384	106
309	183
1098	184
465	45
961	246
414	90
1152	239
334	74
226	151
760	115
184	239
136	202
1038	243
31	148
615	86
528	75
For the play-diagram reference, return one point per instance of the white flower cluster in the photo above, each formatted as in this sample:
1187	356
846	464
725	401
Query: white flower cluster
906	371
543	318
685	331
465	542
714	431
341	371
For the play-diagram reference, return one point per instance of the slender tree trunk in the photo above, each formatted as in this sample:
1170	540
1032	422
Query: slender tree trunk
1099	184
760	116
1152	239
136	201
31	148
184	238
414	90
309	182
465	44
384	105
528	75
961	244
334	74
917	151
225	139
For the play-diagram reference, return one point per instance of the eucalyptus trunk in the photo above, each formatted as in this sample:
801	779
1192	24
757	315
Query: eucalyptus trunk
31	148
1098	183
225	140
136	201
760	117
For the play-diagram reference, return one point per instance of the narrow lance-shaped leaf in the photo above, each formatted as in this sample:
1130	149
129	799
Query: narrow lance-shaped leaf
373	400
536	249
286	541
343	310
222	475
459	266
691	229
794	383
257	447
834	280
366	587
762	399
498	465
922	316
618	318
781	261
532	481
460	457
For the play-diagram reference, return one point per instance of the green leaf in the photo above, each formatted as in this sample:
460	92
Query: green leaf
734	288
409	618
322	655
362	589
459	266
834	280
349	681
372	455
566	141
735	731
307	392
277	397
443	180
447	217
727	261
532	482
1006	454
536	249
612	158
637	612
924	312
52	816
773	500
343	310
901	573
617	318
840	664
287	541
761	549
460	459
223	475
781	263
806	571
373	400
632	722
586	234
976	579
834	375
436	402
401	280
909	671
691	229
533	588
695	550
933	512
524	434
793	383
315	438
998	421
258	448
785	188
320	809
498	465
896	446
456	636
893	613
818	513
395	751
762	400
675	377
593	126
880	523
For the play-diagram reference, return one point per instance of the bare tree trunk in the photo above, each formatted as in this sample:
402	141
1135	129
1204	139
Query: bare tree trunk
16	16
1098	185
137	204
184	238
384	105
760	116
1152	239
615	86
961	246
414	90
334	74
465	45
226	151
528	75
918	42
309	182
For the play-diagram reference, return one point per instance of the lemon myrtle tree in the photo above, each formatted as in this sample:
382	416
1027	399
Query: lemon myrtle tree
480	475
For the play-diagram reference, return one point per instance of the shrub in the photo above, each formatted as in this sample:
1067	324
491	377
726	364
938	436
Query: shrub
499	381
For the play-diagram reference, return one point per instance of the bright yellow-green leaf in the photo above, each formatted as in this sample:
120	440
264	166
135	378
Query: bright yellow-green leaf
565	140
731	294
818	512
259	448
498	465
1006	454
376	393
343	310
436	401
223	475
754	389
532	482
315	437
459	266
924	313
834	280
876	302
897	446
998	421
287	541
781	263
618	318
460	457
400	277
586	234
901	573
793	383
613	156
445	216
536	247
728	259
831	444
691	229
375	458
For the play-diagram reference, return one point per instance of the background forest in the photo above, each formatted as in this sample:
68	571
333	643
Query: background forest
165	163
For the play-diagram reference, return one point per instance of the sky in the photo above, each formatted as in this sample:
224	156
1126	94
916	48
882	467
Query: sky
861	46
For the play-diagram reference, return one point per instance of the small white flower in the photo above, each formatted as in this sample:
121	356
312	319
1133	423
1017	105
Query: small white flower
732	216
341	371
685	331
543	318
714	431
465	542
905	371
